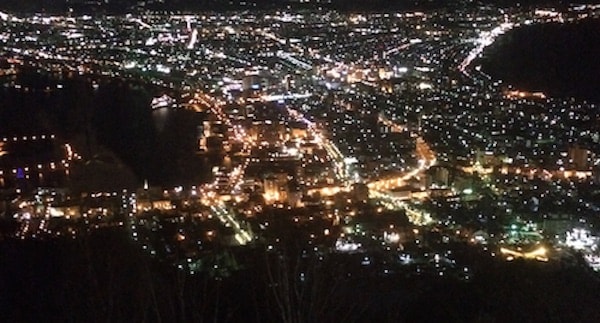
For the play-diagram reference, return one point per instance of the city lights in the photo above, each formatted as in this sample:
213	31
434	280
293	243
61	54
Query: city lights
301	145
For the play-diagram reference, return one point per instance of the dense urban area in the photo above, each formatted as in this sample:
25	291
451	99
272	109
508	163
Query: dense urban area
323	166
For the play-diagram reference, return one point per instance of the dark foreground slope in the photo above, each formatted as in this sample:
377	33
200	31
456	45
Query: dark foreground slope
104	277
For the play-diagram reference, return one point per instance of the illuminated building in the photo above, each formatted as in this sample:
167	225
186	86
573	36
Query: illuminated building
275	188
581	239
211	136
68	211
579	157
439	177
298	130
540	253
144	205
152	199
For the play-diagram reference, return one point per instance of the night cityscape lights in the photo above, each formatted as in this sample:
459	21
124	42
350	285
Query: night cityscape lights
374	140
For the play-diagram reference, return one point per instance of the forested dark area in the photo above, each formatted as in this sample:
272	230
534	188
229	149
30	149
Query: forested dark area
104	277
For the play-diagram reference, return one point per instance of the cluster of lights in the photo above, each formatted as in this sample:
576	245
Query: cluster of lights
540	253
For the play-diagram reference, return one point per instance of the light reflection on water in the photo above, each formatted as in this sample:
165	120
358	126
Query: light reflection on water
160	117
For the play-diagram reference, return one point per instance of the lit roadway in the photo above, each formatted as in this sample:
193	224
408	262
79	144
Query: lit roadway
381	189
242	236
485	39
426	160
336	157
235	176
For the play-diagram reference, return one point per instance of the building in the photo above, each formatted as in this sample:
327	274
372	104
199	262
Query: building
360	192
438	177
578	157
275	187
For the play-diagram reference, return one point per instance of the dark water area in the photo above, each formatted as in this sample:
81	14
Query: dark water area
112	123
561	60
29	153
158	145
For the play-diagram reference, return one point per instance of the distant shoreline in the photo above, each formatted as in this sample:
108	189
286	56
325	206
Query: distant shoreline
557	59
